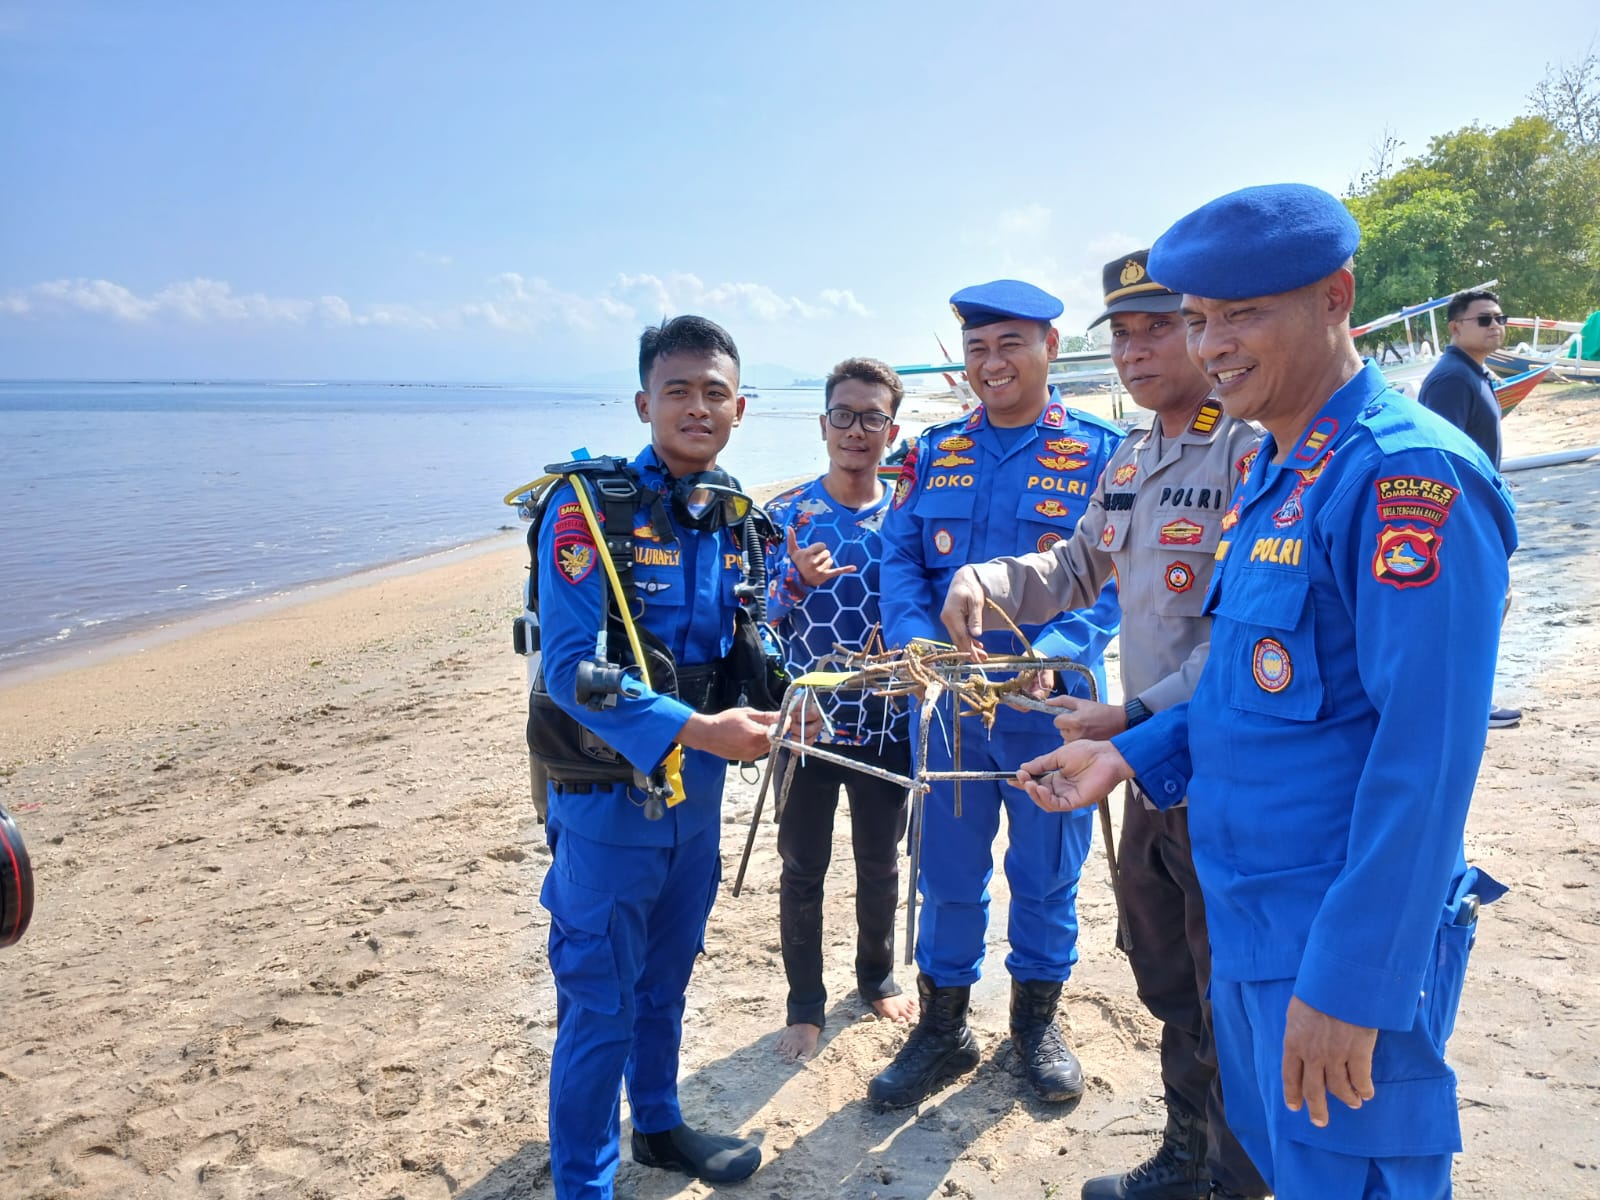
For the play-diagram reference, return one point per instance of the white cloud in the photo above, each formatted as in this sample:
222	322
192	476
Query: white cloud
513	303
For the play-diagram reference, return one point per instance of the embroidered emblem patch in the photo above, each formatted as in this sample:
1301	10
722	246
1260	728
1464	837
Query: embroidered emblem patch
1291	510
1414	498
957	442
1206	419
1061	462
645	533
1051	508
1315	439
1181	533
974	420
1132	272
1046	541
573	547
1242	467
1271	666
907	483
942	541
1180	578
953	460
1124	474
1107	535
1054	416
1066	445
1407	556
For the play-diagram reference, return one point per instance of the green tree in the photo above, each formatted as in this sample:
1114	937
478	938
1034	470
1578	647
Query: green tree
1521	204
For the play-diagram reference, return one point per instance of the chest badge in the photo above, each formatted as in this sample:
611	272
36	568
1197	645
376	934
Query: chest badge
942	541
956	441
1180	577
1046	541
1271	666
1181	533
1124	474
1108	535
1051	508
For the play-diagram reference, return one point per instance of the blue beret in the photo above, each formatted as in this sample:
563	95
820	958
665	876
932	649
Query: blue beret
1258	241
1003	300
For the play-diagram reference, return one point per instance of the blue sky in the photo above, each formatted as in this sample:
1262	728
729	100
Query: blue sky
504	191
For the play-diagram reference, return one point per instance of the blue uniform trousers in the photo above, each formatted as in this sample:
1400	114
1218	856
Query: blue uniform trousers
1042	863
626	923
1414	1107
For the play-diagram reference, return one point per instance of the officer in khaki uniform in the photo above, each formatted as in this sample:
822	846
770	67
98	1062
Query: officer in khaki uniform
1154	522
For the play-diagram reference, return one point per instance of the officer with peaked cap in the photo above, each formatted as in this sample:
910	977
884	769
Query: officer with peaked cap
1328	793
1016	474
1154	522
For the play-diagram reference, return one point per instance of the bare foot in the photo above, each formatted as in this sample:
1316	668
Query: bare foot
798	1042
901	1008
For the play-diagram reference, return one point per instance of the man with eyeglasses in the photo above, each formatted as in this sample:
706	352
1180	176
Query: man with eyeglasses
823	595
1461	390
1011	477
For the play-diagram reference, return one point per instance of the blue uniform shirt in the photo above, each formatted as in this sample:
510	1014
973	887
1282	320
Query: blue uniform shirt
686	595
967	494
842	612
1330	750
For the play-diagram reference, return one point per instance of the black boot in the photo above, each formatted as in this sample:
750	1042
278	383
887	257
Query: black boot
939	1048
713	1157
1053	1070
1176	1171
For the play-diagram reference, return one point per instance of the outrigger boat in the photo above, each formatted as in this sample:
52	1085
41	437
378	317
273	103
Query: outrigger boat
1562	360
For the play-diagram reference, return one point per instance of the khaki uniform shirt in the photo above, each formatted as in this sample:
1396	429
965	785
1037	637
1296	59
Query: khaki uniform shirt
1154	521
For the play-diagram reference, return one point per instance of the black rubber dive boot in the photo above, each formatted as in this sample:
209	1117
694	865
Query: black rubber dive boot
1053	1070
1218	1192
1176	1171
939	1048
713	1157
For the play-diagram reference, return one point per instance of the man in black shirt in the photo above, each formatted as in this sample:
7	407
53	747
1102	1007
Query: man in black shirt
1461	390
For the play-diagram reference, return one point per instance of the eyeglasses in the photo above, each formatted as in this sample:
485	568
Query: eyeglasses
1484	320
872	422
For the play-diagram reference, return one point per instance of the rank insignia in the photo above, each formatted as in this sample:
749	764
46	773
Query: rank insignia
957	442
974	420
1181	533
1124	474
1414	498
1271	666
942	541
1407	557
1054	416
1046	541
1206	419
954	460
1315	439
1179	576
1060	462
907	483
1066	445
1051	508
1108	535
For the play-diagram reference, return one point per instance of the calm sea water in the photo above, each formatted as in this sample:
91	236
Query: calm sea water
124	505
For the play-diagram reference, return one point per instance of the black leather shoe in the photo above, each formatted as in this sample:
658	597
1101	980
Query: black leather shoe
713	1157
1218	1192
1176	1171
940	1048
1052	1068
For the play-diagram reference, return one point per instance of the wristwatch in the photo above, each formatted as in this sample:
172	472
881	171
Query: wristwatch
1135	712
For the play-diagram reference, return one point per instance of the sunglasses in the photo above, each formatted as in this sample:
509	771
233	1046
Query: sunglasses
872	422
1484	320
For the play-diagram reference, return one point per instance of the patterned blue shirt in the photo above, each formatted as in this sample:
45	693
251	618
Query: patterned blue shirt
842	612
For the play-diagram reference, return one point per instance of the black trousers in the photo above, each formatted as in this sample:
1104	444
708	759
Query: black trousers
1171	960
878	811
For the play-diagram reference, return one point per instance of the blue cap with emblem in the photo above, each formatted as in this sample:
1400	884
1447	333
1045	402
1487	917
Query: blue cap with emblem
1258	241
1003	300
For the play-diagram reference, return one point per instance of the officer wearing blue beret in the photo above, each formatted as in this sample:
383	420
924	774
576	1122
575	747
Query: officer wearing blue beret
1013	475
1328	794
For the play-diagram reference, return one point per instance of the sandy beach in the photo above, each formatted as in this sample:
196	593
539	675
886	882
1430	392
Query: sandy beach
287	942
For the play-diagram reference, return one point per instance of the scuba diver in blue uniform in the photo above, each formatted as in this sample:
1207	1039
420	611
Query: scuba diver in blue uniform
644	562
